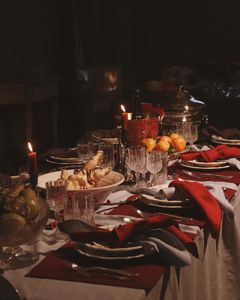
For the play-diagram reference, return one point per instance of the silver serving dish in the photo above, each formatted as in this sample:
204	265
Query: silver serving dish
179	106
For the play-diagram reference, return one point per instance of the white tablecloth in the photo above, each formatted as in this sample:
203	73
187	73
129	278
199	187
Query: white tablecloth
215	275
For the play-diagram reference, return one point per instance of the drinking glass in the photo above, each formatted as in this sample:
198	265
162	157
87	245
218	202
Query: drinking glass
136	157
154	163
84	201
108	157
84	151
143	170
184	131
56	196
194	133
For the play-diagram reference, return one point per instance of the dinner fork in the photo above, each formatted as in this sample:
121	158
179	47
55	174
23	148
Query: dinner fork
86	272
147	215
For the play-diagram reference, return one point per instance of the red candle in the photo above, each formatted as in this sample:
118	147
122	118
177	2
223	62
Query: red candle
124	118
32	158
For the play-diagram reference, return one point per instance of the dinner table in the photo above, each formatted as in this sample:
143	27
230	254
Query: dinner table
209	231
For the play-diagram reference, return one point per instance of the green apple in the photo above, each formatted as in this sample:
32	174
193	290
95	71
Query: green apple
31	199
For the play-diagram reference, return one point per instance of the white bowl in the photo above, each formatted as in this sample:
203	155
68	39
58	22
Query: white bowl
104	187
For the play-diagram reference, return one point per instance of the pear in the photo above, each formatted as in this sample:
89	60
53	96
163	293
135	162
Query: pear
10	225
31	199
17	189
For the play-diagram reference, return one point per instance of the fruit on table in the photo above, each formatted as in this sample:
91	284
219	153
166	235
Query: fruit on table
179	143
17	189
31	199
173	136
162	146
10	202
24	204
11	224
149	144
165	138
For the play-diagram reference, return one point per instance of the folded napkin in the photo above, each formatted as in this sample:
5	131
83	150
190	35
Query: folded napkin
204	200
170	242
174	193
148	108
220	152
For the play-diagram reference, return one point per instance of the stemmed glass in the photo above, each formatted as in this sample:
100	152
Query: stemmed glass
154	163
56	196
143	170
136	157
193	133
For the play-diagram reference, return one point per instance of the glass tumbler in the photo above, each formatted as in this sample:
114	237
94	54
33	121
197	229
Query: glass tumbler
85	206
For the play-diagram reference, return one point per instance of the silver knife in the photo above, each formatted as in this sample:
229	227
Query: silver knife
84	270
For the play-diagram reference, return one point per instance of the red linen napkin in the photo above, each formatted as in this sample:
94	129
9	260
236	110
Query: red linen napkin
124	233
221	151
148	108
208	205
168	84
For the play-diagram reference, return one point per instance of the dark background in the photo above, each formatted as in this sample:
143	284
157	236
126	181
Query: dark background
140	37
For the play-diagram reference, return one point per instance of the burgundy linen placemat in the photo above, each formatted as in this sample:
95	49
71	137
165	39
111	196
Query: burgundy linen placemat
52	267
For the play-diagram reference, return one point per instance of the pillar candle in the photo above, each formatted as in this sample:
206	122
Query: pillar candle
124	118
32	158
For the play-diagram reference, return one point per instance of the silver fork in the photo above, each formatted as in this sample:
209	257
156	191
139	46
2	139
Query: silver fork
147	215
85	272
216	176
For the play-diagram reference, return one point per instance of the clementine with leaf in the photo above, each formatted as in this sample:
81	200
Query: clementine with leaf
165	138
179	143
162	146
149	144
173	136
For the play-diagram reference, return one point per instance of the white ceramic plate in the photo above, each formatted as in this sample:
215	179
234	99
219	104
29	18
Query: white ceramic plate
208	164
63	163
65	159
166	202
220	140
205	166
152	201
109	140
101	252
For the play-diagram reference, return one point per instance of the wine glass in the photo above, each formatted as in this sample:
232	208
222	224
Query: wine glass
136	157
154	163
194	133
56	196
143	170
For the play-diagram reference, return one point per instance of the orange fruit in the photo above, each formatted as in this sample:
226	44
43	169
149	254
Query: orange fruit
149	144
162	146
165	138
179	143
173	136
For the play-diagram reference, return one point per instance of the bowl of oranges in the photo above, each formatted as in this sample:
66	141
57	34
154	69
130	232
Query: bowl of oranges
171	144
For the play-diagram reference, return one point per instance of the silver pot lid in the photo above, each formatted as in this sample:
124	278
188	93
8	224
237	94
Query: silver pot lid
178	99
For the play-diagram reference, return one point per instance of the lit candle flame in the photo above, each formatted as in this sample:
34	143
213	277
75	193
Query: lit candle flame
30	147
186	107
184	119
123	108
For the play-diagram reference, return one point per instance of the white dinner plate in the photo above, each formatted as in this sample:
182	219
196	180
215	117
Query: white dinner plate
64	159
222	141
67	163
166	202
152	201
204	166
101	252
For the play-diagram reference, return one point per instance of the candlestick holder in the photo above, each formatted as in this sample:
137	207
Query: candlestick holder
33	180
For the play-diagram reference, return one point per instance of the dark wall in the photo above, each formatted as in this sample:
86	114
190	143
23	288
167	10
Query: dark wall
141	36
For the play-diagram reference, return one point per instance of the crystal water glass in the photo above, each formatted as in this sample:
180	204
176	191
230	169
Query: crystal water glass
154	163
136	158
84	151
56	196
